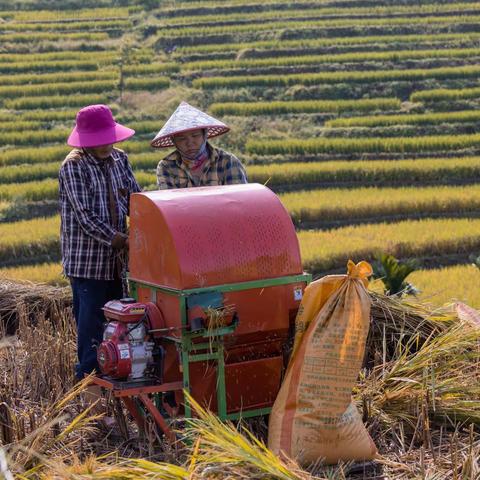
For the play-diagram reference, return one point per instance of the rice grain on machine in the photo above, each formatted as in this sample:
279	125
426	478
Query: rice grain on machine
217	280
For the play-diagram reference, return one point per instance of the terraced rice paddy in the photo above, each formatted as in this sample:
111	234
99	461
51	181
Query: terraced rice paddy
437	285
364	119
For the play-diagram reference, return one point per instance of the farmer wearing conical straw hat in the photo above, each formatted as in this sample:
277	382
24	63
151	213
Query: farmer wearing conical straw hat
96	181
195	162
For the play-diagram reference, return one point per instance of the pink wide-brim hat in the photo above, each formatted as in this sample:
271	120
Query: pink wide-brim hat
185	119
95	126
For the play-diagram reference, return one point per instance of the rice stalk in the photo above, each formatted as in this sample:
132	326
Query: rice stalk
219	317
442	373
232	451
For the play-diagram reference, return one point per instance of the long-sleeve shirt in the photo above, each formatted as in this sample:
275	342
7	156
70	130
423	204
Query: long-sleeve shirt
221	168
87	227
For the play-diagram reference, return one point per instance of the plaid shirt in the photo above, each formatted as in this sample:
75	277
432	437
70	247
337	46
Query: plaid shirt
86	224
221	168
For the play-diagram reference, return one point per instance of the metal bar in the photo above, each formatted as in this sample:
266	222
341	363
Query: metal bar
249	413
202	346
133	289
161	288
184	351
120	417
134	412
268	282
205	333
158	400
162	387
159	420
103	383
202	357
229	287
221	389
132	391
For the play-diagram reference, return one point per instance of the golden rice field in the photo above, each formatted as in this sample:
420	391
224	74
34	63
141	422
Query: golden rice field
324	250
49	273
446	285
371	202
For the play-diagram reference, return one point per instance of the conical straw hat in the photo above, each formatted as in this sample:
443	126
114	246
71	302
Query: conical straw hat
184	119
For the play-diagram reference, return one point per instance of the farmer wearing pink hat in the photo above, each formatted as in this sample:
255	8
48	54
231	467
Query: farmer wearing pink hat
195	162
96	181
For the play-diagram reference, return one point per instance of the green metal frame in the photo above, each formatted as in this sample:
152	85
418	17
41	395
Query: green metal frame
213	349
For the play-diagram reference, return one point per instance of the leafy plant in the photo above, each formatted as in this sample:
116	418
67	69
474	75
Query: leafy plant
393	274
475	259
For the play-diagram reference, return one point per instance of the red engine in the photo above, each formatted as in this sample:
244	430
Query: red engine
128	350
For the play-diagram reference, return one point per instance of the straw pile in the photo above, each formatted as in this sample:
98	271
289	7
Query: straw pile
419	393
33	299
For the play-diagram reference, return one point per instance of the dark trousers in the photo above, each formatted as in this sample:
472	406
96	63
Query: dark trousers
89	296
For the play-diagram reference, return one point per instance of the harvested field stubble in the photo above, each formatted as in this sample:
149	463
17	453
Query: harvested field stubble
419	392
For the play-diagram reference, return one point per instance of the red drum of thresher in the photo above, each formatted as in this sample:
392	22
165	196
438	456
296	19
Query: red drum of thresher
222	265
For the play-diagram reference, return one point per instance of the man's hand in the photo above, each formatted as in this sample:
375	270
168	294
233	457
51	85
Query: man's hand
119	241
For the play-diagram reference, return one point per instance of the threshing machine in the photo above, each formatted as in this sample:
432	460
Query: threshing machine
216	279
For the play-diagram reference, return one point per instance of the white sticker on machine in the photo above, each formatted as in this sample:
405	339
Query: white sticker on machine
297	294
124	354
124	350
